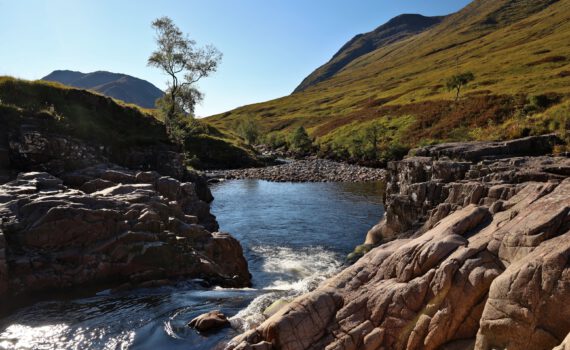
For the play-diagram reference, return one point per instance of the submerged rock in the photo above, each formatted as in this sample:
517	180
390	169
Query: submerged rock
472	255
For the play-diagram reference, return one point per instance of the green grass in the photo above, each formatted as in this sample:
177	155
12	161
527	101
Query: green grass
83	114
102	120
515	49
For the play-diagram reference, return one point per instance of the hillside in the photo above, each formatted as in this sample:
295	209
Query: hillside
397	29
119	130
120	86
519	52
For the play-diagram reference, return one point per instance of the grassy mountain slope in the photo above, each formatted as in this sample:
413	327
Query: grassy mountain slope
120	86
102	120
394	30
515	48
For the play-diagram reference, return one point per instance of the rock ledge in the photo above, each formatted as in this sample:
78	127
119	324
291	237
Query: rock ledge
119	227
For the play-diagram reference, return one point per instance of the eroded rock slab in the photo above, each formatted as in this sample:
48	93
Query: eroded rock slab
123	227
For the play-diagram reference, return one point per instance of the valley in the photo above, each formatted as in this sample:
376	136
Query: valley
410	193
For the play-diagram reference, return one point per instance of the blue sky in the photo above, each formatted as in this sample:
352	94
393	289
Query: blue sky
269	46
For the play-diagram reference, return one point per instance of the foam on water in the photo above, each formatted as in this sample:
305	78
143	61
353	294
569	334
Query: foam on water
299	270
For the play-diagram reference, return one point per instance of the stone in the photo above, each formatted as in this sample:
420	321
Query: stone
528	307
147	176
119	177
210	321
416	177
96	185
34	143
310	170
3	264
168	187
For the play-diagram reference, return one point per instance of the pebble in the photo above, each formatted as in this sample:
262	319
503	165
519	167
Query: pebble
314	170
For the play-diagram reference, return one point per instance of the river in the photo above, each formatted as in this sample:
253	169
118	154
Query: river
294	235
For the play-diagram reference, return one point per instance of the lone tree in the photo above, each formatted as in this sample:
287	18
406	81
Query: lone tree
458	81
185	64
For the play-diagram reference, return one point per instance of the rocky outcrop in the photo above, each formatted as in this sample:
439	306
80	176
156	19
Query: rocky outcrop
313	170
35	144
115	227
422	190
476	151
472	255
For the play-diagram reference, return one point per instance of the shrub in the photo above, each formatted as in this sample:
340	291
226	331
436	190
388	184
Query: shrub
248	130
300	140
275	141
396	151
539	101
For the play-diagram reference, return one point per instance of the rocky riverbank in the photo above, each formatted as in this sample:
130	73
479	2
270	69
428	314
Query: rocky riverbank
81	214
118	228
313	170
474	253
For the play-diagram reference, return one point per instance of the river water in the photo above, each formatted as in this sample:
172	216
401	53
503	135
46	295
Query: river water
294	236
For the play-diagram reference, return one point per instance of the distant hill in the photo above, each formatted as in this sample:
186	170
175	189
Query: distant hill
396	29
120	86
518	51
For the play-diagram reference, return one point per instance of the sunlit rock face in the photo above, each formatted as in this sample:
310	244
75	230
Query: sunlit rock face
119	228
473	254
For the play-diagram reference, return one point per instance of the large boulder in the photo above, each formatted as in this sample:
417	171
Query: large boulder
528	307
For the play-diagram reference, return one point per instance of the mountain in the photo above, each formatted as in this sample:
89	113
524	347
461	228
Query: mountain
120	86
517	50
397	29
